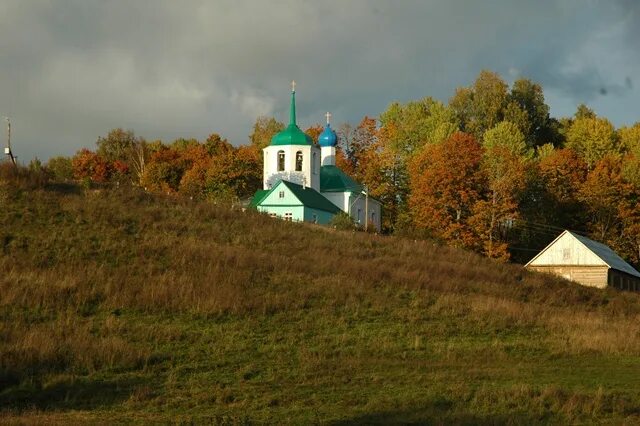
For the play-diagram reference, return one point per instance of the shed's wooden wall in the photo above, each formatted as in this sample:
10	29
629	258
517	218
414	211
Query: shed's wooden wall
623	281
590	276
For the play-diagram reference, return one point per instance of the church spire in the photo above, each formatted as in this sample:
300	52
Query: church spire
292	113
292	135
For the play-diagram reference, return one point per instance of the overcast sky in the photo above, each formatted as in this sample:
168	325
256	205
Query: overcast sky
71	70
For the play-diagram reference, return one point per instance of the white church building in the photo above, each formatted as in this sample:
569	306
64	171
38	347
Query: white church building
301	181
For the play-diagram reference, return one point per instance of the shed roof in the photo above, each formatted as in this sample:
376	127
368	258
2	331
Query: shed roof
602	251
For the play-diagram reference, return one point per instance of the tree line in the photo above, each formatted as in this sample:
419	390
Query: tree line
489	171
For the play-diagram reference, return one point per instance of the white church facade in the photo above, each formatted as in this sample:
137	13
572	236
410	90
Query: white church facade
301	181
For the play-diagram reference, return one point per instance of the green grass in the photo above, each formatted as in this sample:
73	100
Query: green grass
123	307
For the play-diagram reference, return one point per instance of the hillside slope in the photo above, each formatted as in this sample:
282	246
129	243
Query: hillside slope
120	306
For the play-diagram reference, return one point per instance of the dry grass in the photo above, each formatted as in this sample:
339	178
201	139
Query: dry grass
121	284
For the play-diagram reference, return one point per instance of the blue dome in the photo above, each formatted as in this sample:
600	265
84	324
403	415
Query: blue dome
328	137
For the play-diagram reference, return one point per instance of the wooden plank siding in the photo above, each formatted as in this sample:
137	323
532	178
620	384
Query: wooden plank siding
623	281
590	276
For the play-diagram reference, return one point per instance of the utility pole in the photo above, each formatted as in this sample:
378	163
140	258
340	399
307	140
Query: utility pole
7	150
366	208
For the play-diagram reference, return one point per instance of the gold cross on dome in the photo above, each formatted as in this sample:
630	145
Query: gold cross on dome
328	115
293	85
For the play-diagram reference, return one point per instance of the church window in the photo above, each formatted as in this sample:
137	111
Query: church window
313	164
288	216
272	215
281	161
299	161
281	194
358	217
373	217
314	218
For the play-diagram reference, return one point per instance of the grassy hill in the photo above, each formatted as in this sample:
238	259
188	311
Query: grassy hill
121	306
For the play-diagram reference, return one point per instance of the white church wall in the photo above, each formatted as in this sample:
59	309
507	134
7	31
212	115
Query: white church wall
328	154
337	198
359	207
308	176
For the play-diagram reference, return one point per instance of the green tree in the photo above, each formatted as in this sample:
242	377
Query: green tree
584	111
529	97
481	106
509	136
494	216
117	145
418	123
60	168
629	138
263	130
592	138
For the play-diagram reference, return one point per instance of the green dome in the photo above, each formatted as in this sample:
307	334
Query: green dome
292	135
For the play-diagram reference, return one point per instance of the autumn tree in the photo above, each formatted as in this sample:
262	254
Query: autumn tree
592	138
89	165
314	132
602	194
481	106
527	97
126	153
263	130
116	145
505	166
628	236
418	123
363	143
196	160
165	170
562	173
629	138
509	136
446	183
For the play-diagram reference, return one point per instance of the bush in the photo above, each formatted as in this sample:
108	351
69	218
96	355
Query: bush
60	169
343	222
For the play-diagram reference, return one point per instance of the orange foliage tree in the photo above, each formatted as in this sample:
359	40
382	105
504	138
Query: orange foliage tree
604	193
87	164
562	173
165	170
446	183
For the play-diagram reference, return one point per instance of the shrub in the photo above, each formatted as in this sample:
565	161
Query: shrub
343	222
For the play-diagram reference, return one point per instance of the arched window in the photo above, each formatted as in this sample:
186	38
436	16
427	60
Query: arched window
299	161
281	161
313	164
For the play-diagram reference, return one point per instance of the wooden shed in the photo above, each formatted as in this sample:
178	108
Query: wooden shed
586	262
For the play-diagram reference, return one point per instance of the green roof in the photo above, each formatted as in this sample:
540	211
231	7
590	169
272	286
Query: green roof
292	135
308	197
311	198
257	197
332	179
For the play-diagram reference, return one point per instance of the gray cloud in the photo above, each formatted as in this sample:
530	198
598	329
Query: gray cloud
70	71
